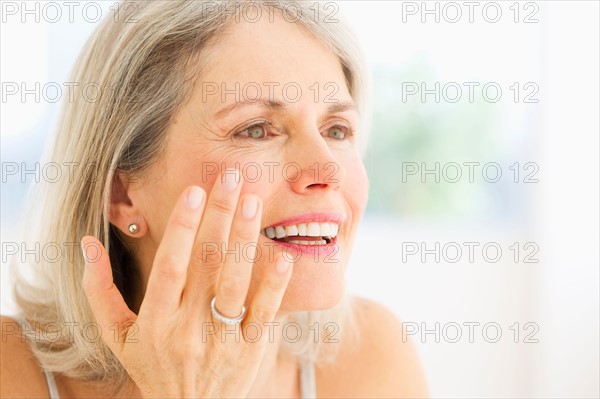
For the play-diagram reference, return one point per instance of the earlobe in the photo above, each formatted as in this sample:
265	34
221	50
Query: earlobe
133	228
123	212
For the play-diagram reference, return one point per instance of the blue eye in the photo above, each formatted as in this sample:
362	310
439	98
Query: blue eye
257	131
337	132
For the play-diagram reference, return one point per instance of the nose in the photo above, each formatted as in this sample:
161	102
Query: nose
313	167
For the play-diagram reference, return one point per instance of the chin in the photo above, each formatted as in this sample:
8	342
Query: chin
318	279
314	286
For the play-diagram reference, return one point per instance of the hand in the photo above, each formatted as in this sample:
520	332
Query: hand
165	348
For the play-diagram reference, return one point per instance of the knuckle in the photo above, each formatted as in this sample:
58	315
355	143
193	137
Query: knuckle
168	267
206	254
246	234
273	286
206	260
264	314
197	256
231	288
185	222
223	207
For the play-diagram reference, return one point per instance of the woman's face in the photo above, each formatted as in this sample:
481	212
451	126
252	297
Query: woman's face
298	154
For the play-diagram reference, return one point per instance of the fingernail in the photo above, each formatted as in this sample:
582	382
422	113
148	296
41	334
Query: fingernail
249	207
230	179
194	197
282	265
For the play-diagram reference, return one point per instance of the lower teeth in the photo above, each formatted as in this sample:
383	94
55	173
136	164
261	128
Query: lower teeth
302	242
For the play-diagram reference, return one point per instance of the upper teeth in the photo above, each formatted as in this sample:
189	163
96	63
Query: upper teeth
312	229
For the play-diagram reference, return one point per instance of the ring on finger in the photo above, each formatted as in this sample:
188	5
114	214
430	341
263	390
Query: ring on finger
225	319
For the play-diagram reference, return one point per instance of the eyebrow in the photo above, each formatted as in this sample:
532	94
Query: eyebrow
341	107
278	106
264	103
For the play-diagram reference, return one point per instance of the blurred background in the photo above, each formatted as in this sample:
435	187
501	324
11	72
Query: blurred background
482	228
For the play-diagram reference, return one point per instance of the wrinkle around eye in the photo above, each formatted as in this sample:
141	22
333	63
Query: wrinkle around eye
199	127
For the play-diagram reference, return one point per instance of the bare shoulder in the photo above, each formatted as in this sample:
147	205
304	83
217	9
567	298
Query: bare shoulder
21	375
380	364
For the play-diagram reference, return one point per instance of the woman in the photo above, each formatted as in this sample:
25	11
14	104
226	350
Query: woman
217	185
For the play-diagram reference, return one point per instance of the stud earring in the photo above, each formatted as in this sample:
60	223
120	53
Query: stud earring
133	228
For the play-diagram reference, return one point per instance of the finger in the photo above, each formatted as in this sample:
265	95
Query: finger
267	300
235	274
212	236
105	300
169	269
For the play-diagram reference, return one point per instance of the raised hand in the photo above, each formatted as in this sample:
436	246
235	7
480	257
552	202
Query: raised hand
165	348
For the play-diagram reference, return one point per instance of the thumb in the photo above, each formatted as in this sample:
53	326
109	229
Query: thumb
106	302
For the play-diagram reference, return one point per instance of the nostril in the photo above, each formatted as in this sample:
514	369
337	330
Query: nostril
317	185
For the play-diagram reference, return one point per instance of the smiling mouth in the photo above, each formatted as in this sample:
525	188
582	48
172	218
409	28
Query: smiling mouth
311	233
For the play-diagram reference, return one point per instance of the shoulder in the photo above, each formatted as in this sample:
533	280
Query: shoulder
382	363
21	375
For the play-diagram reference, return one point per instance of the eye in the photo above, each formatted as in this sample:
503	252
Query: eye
257	131
338	132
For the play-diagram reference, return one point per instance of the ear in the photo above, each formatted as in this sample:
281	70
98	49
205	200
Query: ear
123	212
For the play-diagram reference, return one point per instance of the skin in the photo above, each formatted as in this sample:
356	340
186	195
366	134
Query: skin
179	280
197	140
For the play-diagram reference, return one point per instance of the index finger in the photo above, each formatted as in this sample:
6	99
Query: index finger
169	269
213	236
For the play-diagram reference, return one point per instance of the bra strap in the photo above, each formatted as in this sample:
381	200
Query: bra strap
48	374
308	386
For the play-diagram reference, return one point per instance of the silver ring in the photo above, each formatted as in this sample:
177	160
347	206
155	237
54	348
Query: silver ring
224	319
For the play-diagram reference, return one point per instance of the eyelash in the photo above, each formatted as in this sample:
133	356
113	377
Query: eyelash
349	132
265	124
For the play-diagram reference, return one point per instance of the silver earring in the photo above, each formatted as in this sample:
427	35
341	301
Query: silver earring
133	228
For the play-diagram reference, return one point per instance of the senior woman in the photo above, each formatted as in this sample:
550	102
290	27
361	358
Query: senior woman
216	190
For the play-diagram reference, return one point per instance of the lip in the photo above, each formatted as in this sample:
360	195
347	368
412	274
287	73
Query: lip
325	251
320	217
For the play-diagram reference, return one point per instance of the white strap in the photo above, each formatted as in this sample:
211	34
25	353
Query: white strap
51	385
308	386
49	376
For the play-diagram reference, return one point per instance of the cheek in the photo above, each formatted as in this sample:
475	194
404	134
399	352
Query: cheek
259	181
257	177
205	170
356	184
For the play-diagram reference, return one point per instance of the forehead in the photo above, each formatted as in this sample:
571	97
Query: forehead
272	54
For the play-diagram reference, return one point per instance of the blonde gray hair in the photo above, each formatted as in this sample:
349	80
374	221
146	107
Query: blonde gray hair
143	72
